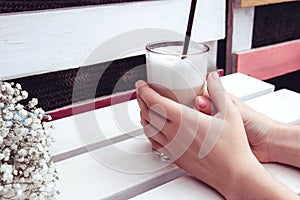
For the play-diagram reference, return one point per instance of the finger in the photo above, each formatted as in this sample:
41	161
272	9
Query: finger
217	93
205	91
152	133
155	145
203	104
167	128
161	105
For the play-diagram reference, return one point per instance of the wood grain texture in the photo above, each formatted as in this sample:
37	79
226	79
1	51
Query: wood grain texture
40	42
250	3
271	61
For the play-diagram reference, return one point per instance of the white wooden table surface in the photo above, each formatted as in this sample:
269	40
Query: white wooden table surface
122	167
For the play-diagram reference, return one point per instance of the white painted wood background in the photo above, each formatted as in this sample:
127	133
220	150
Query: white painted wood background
44	41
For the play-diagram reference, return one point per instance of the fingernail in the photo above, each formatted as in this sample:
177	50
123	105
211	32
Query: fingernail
215	76
137	84
201	103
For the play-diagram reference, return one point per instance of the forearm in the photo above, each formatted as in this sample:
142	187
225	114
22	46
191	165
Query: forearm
284	144
254	182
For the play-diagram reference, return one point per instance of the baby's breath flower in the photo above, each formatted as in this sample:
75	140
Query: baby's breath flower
23	113
24	94
33	103
26	169
28	121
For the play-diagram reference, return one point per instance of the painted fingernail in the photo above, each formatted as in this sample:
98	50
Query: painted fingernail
201	103
215	76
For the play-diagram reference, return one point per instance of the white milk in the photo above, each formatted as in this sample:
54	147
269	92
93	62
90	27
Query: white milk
176	78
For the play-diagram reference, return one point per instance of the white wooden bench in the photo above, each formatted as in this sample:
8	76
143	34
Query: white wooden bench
47	41
109	172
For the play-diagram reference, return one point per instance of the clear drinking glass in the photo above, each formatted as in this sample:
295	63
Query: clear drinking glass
176	76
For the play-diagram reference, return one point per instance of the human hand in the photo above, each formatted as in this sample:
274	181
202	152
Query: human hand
213	148
259	128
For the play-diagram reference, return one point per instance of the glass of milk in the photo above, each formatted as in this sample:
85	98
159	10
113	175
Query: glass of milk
176	76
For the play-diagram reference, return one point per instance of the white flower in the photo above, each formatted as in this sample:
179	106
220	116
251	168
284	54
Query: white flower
24	94
1	140
19	107
18	86
28	121
13	146
23	113
22	152
37	178
33	102
6	171
8	115
18	118
11	107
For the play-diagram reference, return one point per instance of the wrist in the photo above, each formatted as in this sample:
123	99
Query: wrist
253	181
239	178
284	144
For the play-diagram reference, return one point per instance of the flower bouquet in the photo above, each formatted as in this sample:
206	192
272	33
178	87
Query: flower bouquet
26	169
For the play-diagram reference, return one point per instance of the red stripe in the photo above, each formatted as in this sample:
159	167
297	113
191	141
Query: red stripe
101	103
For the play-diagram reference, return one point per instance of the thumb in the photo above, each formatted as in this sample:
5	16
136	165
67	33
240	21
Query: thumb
217	92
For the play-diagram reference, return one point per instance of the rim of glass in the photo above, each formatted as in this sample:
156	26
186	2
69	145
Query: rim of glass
154	45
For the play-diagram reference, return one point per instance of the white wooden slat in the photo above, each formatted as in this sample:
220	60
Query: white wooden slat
93	176
245	87
187	187
70	140
282	105
119	120
243	20
38	42
239	33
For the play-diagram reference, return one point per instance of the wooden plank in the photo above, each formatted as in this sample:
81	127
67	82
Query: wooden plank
239	33
250	3
187	187
245	87
271	61
39	42
272	105
72	142
105	174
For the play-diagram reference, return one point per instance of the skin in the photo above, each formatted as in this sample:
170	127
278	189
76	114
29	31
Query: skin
212	147
270	140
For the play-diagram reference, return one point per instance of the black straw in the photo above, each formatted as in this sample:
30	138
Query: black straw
189	29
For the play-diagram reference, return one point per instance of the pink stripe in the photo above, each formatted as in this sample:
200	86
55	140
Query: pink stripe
268	62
